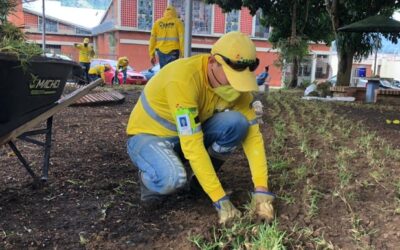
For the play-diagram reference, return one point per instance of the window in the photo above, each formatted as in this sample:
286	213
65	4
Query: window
145	14
82	31
232	21
179	5
322	67
196	51
305	67
51	26
202	15
52	48
259	29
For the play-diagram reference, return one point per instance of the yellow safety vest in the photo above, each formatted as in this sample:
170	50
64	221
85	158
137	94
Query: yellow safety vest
171	91
97	70
167	34
85	53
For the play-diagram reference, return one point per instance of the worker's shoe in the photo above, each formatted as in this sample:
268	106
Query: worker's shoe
148	198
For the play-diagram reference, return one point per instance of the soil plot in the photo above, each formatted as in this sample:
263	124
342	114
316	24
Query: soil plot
334	168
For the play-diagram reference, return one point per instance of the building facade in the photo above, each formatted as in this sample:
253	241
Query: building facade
124	30
61	34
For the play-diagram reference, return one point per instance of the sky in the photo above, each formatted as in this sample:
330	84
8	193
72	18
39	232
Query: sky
81	17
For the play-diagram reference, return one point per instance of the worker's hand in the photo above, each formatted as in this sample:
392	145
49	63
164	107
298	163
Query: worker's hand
261	205
226	210
153	60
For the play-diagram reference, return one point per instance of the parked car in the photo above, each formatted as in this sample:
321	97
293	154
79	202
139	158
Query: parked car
383	84
60	56
150	72
133	77
360	82
396	83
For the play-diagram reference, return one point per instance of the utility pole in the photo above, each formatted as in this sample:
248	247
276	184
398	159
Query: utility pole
43	28
188	28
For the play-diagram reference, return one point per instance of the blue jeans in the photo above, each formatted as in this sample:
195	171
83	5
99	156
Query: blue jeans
159	159
124	73
164	59
93	77
85	67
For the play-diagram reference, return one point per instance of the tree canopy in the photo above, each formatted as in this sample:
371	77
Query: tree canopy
357	45
294	24
318	21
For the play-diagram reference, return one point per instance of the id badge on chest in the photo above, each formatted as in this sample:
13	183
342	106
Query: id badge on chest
186	121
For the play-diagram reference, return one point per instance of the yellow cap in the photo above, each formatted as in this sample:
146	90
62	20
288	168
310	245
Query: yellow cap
86	40
237	47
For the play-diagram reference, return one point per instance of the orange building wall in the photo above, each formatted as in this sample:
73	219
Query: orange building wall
319	47
103	47
245	20
138	56
31	21
219	20
268	59
127	8
17	17
159	9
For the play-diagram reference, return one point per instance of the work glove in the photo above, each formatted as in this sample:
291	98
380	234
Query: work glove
261	205
226	210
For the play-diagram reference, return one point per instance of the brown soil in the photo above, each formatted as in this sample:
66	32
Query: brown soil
91	200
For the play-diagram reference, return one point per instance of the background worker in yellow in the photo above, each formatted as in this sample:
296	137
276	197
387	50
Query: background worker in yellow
98	71
198	109
122	66
166	38
86	53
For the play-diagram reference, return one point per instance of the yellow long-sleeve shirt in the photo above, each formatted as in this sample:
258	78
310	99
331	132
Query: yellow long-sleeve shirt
171	90
85	52
98	70
167	33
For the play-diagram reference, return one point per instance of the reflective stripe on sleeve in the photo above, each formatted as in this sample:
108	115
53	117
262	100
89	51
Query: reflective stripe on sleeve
167	124
167	39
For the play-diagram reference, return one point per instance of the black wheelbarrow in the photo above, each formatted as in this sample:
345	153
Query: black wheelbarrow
29	95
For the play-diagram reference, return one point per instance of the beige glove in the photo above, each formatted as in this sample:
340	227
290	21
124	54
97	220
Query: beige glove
261	205
226	210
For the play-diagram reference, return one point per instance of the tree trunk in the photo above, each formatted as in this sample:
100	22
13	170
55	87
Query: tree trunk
295	72
293	40
345	66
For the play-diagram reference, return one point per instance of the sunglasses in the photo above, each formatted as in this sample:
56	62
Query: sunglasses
240	65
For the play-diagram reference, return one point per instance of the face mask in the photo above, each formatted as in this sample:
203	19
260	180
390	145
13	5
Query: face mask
227	92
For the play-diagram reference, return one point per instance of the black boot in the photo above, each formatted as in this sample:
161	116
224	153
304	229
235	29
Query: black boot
148	198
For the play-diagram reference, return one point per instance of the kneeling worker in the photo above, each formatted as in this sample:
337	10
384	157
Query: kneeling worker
98	71
201	106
